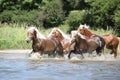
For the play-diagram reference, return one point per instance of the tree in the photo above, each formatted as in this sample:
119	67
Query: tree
75	18
54	13
103	12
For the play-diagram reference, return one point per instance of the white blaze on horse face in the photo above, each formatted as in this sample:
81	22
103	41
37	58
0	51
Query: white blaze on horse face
28	39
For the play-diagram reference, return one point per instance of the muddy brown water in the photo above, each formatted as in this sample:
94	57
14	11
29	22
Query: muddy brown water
18	66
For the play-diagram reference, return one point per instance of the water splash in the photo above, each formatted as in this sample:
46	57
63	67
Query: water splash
35	56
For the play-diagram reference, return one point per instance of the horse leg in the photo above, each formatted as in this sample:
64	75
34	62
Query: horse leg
98	51
49	54
59	52
90	54
30	53
70	53
80	52
114	51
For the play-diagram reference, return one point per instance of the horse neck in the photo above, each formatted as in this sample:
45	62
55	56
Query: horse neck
35	40
81	40
61	37
88	33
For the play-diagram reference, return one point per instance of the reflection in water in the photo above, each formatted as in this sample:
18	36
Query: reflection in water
20	67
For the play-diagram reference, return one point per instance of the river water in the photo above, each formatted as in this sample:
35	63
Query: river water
18	66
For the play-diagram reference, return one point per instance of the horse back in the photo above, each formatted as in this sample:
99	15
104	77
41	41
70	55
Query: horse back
92	44
49	44
111	40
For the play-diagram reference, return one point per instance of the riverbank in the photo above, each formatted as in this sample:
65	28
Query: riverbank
16	51
24	54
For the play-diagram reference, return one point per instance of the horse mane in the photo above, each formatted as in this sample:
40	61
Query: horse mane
61	32
39	35
83	26
86	31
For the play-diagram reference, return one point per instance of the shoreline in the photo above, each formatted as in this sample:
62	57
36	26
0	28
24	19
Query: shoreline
15	51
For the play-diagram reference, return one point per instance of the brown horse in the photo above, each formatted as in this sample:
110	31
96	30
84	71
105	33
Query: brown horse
83	45
111	41
65	40
50	46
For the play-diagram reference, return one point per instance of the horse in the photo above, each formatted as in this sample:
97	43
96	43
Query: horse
65	40
82	45
111	41
83	29
50	46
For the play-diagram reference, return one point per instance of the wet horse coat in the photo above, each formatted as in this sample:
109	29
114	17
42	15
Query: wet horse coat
50	46
83	45
65	41
111	41
84	31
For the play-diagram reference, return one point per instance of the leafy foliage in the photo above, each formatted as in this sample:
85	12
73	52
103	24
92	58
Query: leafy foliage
54	13
76	18
50	13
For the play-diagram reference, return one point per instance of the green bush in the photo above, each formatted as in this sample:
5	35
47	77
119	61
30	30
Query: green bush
6	16
54	14
75	18
33	17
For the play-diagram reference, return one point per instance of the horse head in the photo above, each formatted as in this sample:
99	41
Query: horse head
57	33
84	30
81	29
76	36
31	34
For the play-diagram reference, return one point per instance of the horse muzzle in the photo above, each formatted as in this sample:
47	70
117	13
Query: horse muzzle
28	40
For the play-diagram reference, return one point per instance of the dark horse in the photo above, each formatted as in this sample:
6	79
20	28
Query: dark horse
50	46
84	46
111	41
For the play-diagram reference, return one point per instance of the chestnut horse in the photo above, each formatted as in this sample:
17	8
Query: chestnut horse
111	41
50	46
84	45
65	40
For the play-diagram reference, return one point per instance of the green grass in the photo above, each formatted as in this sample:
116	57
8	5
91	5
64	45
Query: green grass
14	36
102	32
